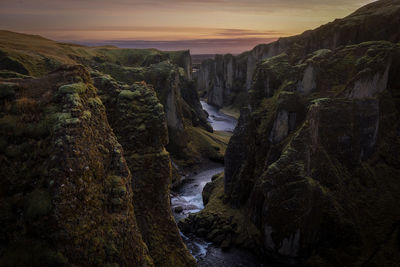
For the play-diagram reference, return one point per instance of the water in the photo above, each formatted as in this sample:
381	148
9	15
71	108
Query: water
188	197
218	120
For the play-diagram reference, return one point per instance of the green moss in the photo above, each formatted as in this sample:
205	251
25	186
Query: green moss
278	65
95	102
74	100
124	74
315	183
318	55
63	119
127	94
77	88
204	144
159	108
6	74
87	115
181	71
142	127
37	204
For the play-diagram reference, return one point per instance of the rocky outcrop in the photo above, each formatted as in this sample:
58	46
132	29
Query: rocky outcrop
318	176
66	194
138	120
181	104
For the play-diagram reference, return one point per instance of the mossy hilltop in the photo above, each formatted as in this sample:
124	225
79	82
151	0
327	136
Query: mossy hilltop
312	172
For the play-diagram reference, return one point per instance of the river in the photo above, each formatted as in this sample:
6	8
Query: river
188	197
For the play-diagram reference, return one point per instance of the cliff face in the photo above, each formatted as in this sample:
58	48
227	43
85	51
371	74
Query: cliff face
138	120
311	172
66	195
320	174
220	80
363	25
176	93
95	178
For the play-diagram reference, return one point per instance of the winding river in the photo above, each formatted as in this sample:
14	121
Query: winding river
188	198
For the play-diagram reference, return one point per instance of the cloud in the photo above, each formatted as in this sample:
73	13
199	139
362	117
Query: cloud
239	22
267	6
245	32
197	46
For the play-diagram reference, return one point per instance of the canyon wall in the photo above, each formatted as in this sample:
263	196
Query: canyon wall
85	170
312	170
220	80
66	187
366	24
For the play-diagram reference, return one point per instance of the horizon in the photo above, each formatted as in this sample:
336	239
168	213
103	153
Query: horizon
201	26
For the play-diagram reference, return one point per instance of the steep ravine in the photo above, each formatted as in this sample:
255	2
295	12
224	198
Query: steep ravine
187	199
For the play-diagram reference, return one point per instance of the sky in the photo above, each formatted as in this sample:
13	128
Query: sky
203	26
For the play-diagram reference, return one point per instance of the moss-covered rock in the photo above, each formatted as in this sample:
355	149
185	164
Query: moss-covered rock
311	164
138	119
59	185
76	88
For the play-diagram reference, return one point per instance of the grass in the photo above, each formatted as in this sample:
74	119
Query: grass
231	111
204	145
36	56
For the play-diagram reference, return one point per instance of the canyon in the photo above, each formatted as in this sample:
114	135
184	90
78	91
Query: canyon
312	169
105	151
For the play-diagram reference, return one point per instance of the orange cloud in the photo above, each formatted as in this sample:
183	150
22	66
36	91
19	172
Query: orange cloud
169	20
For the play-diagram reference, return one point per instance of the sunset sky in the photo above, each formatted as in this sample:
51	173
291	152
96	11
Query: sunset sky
204	26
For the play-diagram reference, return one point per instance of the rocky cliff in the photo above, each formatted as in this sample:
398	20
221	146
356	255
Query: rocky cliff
84	166
138	120
66	195
220	80
363	25
320	177
312	170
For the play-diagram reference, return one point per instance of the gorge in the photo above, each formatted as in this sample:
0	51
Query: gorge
287	154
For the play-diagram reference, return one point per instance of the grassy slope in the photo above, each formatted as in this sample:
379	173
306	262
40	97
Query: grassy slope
39	55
